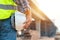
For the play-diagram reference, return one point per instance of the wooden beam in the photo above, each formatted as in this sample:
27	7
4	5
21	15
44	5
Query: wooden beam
37	14
35	7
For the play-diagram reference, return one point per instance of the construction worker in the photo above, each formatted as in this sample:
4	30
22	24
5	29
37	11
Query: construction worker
7	9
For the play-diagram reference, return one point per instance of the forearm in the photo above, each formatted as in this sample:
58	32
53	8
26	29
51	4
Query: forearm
28	18
28	14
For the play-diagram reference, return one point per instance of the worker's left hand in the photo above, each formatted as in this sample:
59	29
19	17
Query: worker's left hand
27	23
28	18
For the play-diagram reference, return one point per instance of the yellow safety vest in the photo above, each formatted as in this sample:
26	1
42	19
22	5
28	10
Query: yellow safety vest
6	8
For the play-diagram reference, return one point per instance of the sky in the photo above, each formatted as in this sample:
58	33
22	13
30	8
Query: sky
51	8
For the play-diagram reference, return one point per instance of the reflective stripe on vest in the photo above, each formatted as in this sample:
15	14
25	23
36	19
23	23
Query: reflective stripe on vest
7	7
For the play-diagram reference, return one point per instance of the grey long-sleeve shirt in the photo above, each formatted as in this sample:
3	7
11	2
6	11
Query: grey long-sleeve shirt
22	5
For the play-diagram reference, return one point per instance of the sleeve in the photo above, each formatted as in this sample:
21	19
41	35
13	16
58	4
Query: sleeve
23	5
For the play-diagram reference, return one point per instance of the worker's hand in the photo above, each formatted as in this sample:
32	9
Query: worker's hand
27	23
28	18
